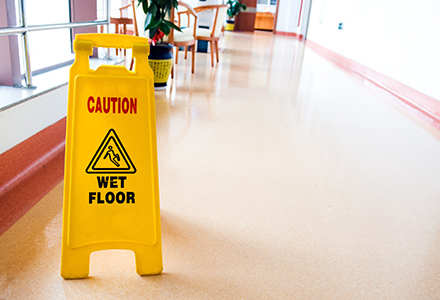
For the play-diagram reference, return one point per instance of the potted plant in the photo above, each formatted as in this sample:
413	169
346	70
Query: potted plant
158	14
234	7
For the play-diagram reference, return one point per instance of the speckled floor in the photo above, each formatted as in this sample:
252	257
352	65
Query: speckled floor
281	177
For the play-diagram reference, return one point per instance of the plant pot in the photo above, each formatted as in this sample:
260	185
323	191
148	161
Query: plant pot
161	61
229	25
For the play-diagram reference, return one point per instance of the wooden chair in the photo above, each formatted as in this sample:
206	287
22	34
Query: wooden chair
122	22
212	35
187	37
124	13
175	38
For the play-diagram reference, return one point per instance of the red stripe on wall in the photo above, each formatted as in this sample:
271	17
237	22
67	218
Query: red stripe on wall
426	106
300	12
29	171
294	34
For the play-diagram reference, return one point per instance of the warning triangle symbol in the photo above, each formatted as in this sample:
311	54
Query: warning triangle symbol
111	157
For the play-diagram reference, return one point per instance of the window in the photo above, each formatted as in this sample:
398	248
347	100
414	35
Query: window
48	48
40	39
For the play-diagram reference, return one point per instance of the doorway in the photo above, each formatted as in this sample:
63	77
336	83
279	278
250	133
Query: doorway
266	15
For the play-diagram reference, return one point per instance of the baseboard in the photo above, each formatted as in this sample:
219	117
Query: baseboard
293	34
29	171
427	107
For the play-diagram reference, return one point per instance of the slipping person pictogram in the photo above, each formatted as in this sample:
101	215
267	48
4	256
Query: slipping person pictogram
114	158
111	157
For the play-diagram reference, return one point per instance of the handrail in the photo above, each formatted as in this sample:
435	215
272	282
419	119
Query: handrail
22	29
11	30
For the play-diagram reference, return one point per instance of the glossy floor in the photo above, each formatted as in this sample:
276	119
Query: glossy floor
281	177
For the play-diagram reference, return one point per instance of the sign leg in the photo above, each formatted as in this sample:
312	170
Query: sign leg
148	261
75	263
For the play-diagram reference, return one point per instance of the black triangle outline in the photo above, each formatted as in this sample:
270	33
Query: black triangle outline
111	134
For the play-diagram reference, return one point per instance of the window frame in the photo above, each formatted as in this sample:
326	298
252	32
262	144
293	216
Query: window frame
22	29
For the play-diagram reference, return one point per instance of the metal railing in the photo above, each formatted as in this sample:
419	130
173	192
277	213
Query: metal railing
24	29
21	29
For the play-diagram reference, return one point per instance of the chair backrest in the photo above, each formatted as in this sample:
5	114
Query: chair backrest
219	18
123	11
191	15
126	12
183	8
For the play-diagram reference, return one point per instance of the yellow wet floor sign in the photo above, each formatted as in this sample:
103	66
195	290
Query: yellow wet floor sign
111	189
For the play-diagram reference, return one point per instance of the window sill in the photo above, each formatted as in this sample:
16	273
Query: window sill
44	83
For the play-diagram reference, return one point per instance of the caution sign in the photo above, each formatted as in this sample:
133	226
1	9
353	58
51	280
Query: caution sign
111	186
111	157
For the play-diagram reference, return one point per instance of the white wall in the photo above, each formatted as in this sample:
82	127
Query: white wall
26	119
398	38
288	13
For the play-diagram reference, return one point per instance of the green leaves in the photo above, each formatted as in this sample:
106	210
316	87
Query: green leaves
152	24
144	5
171	24
235	7
157	11
153	8
164	28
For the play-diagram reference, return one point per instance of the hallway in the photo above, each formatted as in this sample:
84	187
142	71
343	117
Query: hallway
282	176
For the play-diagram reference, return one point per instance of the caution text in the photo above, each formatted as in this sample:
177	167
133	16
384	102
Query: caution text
112	105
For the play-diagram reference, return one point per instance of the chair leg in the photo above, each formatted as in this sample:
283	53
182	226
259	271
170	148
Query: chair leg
173	68
216	50
124	31
186	52
177	55
193	58
212	52
116	32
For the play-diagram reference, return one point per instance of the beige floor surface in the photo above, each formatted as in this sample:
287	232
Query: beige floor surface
281	177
